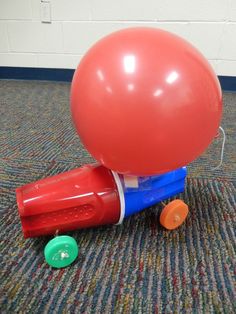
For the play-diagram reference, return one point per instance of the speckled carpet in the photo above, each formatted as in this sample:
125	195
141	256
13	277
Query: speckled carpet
137	267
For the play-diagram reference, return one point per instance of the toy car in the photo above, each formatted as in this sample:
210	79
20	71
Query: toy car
91	196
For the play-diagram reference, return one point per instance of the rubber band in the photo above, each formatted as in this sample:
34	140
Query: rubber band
222	150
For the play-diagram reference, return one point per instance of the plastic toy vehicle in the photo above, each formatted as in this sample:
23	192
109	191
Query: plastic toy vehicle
144	102
90	196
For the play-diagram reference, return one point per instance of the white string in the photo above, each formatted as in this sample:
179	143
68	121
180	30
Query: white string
222	150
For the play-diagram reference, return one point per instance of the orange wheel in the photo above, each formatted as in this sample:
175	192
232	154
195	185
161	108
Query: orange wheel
174	214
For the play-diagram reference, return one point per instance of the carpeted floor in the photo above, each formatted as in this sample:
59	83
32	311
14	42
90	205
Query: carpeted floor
137	267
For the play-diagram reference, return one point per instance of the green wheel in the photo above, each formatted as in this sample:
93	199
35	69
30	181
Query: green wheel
61	251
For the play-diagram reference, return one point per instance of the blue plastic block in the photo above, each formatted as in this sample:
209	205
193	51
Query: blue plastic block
153	189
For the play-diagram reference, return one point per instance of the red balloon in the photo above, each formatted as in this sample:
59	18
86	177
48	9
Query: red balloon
145	101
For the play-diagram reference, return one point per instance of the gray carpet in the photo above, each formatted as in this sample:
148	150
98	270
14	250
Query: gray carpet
137	267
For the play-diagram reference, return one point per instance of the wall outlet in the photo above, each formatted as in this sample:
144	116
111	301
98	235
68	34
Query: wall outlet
45	11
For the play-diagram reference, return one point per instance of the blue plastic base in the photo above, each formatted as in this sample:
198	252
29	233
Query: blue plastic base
153	189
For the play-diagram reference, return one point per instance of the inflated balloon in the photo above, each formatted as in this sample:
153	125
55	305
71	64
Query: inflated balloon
145	101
